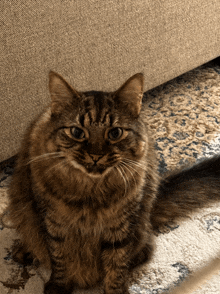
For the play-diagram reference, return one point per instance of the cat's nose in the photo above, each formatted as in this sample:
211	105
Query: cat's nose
95	157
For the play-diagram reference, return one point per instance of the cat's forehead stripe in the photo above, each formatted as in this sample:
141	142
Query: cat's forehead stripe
97	110
93	114
87	120
105	117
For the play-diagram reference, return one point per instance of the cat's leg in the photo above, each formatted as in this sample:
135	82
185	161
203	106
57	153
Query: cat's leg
59	282
144	255
21	254
120	256
116	266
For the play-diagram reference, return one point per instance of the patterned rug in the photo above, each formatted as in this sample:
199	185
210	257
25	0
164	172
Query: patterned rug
184	115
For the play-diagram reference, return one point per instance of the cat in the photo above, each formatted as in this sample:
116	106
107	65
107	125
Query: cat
86	196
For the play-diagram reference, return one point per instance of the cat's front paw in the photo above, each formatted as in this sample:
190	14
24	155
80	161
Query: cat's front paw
20	254
53	288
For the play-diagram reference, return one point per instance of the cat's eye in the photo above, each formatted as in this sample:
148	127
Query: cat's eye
77	133
115	134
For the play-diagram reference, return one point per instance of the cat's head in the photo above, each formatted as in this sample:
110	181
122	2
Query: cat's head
98	131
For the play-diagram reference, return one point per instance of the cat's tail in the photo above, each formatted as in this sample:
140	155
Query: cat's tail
183	192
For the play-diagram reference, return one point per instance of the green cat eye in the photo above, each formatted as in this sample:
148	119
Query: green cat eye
77	133
115	134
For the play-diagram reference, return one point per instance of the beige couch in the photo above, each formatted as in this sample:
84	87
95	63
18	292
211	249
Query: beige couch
95	45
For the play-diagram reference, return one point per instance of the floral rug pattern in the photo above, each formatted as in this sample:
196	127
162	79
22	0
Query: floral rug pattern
184	115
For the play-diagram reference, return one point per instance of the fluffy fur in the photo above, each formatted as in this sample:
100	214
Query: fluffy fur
86	197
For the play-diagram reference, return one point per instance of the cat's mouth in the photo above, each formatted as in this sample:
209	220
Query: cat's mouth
96	169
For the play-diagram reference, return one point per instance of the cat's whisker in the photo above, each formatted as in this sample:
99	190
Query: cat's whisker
134	163
118	168
126	179
141	162
138	162
126	176
132	167
46	156
127	167
135	166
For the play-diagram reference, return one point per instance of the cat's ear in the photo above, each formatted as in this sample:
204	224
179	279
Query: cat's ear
61	92
129	95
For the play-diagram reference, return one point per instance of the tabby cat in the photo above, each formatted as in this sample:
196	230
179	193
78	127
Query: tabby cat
86	197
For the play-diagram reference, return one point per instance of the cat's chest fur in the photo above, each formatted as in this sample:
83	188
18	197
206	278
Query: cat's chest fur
88	219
